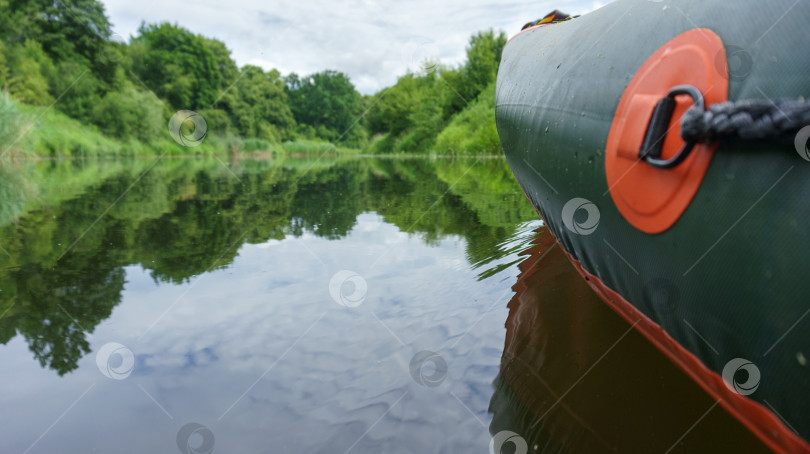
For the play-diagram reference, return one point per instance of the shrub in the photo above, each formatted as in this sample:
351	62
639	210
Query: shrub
28	71
131	114
473	131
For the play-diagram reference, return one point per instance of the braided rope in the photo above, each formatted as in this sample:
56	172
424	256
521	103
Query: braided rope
747	119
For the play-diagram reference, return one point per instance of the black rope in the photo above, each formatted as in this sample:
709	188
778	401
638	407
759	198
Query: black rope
747	119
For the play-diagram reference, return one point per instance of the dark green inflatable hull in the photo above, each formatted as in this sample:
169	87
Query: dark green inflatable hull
729	279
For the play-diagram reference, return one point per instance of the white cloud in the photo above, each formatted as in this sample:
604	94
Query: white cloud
362	38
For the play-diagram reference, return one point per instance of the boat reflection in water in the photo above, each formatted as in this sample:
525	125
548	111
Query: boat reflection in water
576	377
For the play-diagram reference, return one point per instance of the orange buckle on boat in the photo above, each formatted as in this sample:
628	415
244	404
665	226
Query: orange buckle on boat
652	197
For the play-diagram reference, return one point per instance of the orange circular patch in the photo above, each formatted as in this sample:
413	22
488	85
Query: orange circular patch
649	198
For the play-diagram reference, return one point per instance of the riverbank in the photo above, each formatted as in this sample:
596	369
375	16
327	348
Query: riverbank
43	132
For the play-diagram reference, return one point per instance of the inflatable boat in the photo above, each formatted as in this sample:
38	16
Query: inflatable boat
664	144
557	329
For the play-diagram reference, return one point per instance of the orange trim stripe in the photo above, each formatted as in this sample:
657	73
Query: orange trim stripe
757	418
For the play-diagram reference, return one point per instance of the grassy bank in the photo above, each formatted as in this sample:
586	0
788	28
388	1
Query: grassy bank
31	132
43	132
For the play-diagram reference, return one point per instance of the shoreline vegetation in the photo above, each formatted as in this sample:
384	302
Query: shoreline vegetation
70	88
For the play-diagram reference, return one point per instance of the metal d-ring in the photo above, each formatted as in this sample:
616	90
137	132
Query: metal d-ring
658	127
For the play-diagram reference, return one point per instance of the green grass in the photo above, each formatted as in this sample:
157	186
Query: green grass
46	132
29	131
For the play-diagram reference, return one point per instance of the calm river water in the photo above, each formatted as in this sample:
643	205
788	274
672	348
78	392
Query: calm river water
314	305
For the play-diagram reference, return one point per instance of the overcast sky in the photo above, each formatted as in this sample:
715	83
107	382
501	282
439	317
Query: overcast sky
373	41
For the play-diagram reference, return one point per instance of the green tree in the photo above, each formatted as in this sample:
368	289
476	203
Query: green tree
65	28
447	110
227	68
410	111
74	31
77	88
327	101
261	108
177	65
483	58
29	68
392	107
481	68
220	116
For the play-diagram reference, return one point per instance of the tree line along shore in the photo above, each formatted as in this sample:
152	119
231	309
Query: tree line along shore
71	88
